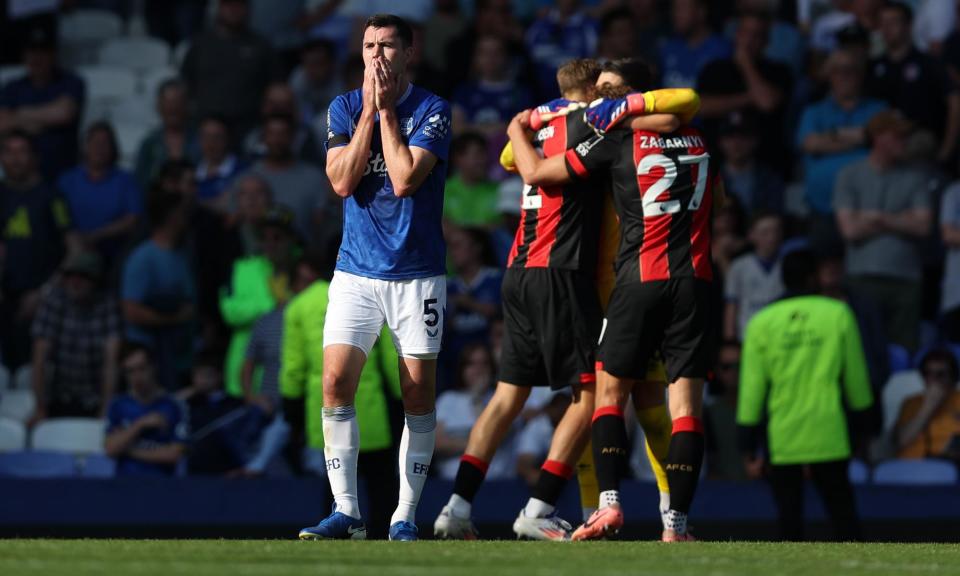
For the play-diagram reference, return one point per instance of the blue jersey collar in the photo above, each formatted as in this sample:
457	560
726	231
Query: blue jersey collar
406	94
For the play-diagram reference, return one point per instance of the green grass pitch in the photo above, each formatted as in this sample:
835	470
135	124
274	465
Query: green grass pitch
274	557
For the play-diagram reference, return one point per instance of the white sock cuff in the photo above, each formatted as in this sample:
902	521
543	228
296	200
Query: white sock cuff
339	413
422	423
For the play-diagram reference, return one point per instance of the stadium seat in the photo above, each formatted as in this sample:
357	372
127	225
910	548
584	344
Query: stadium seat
152	79
82	32
37	465
129	136
13	436
859	472
897	389
72	435
22	378
135	111
139	54
109	83
17	405
915	472
899	358
97	466
10	73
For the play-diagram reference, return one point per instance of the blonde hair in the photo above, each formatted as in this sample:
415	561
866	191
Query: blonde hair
579	74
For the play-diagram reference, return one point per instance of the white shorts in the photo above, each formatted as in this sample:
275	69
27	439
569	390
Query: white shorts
412	309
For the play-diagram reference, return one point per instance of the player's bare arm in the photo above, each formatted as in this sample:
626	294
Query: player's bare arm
534	170
346	164
407	166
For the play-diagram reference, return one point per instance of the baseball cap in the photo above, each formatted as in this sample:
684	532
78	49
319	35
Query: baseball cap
889	121
83	263
509	196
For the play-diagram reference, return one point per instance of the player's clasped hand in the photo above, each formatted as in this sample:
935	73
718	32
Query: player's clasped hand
369	88
520	124
603	115
386	83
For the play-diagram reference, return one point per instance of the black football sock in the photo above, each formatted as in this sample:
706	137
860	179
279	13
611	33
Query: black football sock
553	477
609	435
684	462
470	476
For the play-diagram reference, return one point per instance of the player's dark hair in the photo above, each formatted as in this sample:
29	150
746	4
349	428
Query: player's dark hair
636	73
392	21
941	355
105	128
578	74
464	141
799	271
613	16
906	12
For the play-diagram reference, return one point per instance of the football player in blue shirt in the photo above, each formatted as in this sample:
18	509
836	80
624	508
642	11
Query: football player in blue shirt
387	158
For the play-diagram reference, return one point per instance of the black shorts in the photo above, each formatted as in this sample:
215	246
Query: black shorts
551	323
666	315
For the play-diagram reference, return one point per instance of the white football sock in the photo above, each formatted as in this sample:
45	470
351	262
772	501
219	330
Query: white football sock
341	448
538	509
664	508
416	451
609	498
460	507
676	521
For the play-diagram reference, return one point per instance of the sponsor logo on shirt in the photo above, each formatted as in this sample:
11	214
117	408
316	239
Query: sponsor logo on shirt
437	127
545	134
376	165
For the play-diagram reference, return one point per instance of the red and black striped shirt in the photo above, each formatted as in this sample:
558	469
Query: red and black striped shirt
663	191
559	225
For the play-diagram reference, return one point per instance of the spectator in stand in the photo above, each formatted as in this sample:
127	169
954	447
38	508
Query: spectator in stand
157	291
884	212
757	186
786	44
862	15
76	333
533	441
950	232
509	197
754	279
693	46
46	103
488	101
218	167
565	32
473	292
831	135
105	201
258	285
802	366
618	37
280	100
491	18
300	186
913	82
445	24
470	199
928	425
749	83
457	412
254	199
173	139
146	426
34	230
729	236
316	82
301	383
723	452
275	21
229	66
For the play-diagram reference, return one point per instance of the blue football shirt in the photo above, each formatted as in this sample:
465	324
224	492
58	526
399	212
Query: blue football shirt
125	410
386	237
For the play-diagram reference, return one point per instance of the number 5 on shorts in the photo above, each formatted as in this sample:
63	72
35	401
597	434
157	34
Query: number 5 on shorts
431	315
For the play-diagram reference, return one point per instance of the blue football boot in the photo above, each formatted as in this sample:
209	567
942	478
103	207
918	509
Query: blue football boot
337	526
404	531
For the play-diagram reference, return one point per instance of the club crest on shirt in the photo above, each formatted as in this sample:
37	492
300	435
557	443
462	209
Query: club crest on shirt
406	126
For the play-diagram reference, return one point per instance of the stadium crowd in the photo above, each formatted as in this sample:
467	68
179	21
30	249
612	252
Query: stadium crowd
174	282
